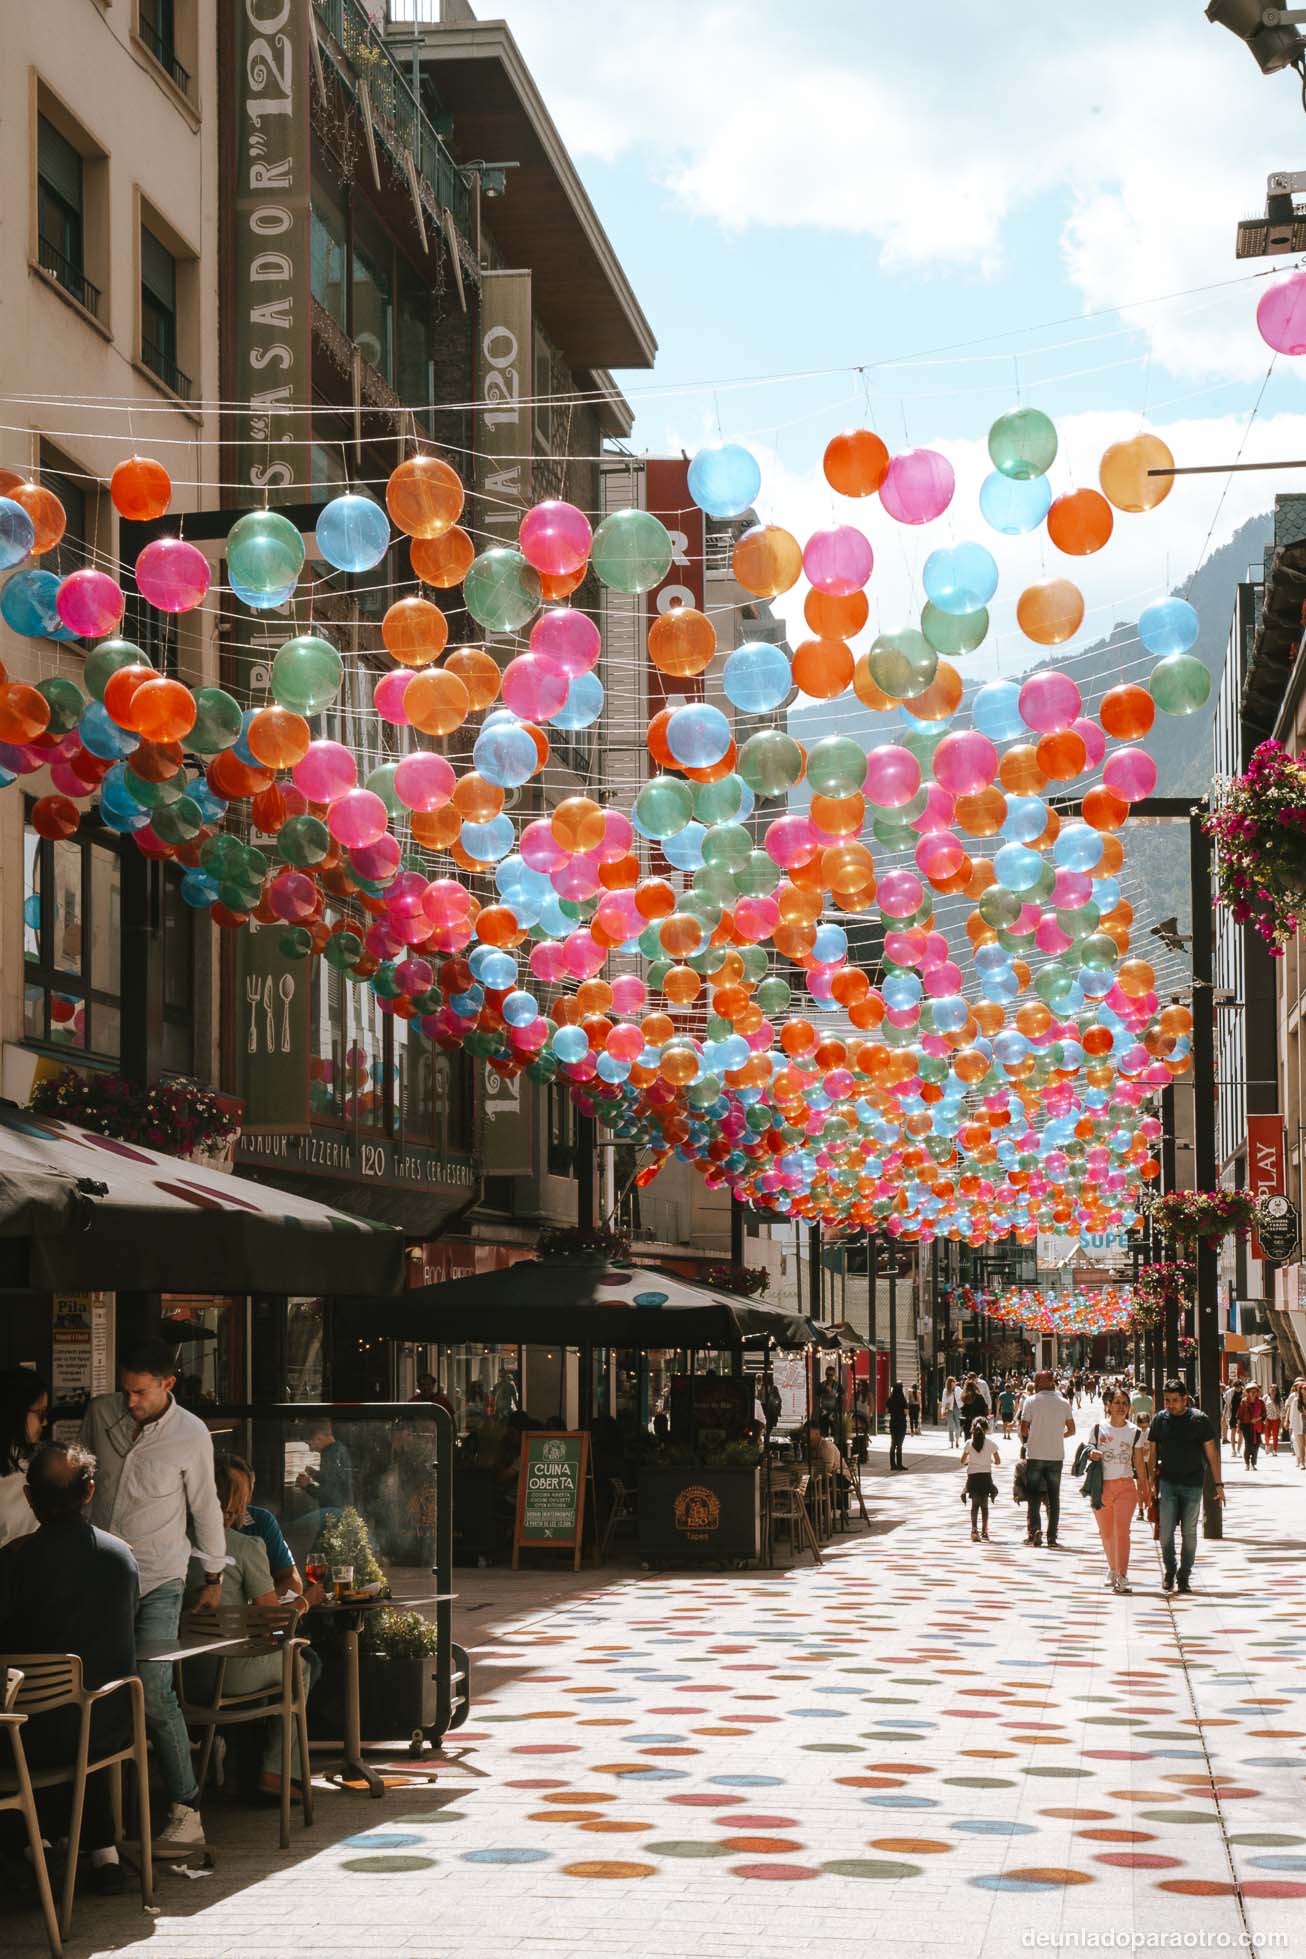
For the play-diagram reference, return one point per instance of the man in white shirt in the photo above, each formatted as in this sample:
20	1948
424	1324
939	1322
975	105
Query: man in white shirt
986	1391
1046	1419
155	1472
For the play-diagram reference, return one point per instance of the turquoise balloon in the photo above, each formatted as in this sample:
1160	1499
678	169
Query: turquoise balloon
1180	684
996	711
960	578
583	705
757	677
1014	506
1169	626
724	479
501	590
27	603
307	672
265	555
353	533
632	551
1023	443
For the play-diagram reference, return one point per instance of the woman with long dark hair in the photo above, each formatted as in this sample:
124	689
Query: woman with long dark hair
24	1408
897	1407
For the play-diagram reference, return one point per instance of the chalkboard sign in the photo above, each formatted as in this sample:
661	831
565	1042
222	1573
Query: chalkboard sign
551	1492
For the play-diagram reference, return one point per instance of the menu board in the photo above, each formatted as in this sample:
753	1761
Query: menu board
551	1492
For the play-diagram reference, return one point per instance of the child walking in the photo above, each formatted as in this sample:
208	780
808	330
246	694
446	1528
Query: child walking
979	1459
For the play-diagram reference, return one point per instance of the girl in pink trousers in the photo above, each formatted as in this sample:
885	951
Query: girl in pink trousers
1117	1444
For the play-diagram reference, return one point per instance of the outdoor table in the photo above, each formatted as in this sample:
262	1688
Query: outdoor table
349	1615
186	1646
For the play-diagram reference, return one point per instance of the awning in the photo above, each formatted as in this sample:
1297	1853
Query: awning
81	1212
570	1303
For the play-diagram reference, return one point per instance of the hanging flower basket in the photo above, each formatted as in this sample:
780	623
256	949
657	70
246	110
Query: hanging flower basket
596	1247
1169	1282
180	1117
1211	1214
1259	829
745	1280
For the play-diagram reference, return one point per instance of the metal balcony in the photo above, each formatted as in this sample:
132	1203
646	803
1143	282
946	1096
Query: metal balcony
167	370
69	276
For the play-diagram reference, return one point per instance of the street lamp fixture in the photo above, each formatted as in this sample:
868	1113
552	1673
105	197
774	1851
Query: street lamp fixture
1270	32
492	177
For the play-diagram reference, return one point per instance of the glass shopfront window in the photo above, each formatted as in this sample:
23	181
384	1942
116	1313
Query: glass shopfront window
72	942
210	1333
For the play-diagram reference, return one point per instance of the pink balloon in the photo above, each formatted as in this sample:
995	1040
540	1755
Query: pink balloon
940	808
893	775
1048	701
618	836
583	957
534	688
575	878
790	841
943	979
292	896
940	854
546	962
900	893
1130	774
905	948
918	486
629	995
446	900
424	782
388	697
965	762
357	818
1094	740
379	859
1281	315
405	893
172	574
414	975
90	603
555	538
755	919
327	770
838	561
539	847
568	638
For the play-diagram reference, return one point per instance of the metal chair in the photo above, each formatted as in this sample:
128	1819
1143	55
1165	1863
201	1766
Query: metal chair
625	1510
789	1507
263	1630
54	1680
22	1800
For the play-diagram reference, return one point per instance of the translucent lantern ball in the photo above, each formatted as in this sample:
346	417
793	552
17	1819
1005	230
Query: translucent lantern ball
570	640
555	538
1023	443
757	678
632	551
918	486
306	674
141	489
724	479
501	590
533	687
90	603
1125	473
353	533
698	735
17	533
172	574
1014	506
1180	684
1168	626
265	555
960	579
1281	315
28	605
838	561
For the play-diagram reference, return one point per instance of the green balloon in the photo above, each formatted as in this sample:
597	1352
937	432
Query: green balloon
1023	444
773	996
756	963
306	674
501	590
631	552
727	845
922	742
296	943
265	555
717	883
836	766
954	632
657	972
342	949
756	879
893	835
903	664
771	762
303	841
1180	684
719	802
1099	953
178	822
154	795
381	782
218	721
65	700
664	806
104	660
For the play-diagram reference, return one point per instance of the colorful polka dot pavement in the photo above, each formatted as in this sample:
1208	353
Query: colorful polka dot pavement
977	1743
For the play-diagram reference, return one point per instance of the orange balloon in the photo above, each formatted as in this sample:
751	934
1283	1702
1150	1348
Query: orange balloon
1080	523
276	736
982	814
1123	473
559	585
424	496
850	869
49	519
1020	771
141	489
681	641
654	898
767	561
941	698
1127	712
866	689
436	701
823	668
157	761
1050	613
476	800
233	779
578	824
681	985
1062	756
1103	811
719	769
1113	857
415	632
836	618
838	816
164	710
478	672
442	561
855	463
25	714
436	829
1135	977
118	693
656	740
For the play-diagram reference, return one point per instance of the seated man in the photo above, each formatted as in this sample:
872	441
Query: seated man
69	1588
824	1453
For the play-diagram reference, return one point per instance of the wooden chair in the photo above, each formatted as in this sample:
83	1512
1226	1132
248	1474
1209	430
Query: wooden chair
22	1800
54	1680
789	1507
625	1510
262	1630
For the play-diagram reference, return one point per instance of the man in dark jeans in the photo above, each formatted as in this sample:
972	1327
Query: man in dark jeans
68	1588
1046	1419
1181	1446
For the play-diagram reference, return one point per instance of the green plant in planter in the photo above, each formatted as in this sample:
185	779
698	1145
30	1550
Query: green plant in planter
344	1540
395	1635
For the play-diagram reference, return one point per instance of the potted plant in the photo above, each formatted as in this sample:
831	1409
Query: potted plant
1211	1214
599	1246
396	1677
1259	829
745	1280
178	1116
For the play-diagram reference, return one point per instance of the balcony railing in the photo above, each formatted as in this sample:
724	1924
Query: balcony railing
69	276
167	370
164	53
401	122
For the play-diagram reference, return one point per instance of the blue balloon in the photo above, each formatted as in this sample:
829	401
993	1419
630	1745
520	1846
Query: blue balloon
570	1043
724	479
698	735
1017	867
353	533
520	1009
685	850
996	708
1014	507
27	604
198	889
18	533
1026	819
829	946
101	736
757	677
1168	626
491	966
488	842
960	579
1078	847
505	755
583	705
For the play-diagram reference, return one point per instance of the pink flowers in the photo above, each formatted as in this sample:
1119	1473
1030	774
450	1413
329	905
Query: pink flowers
1259	831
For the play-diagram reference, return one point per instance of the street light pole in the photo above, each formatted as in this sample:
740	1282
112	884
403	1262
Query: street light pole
1208	1331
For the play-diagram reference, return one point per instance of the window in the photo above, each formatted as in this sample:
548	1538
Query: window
329	252
72	943
61	208
562	1131
347	1070
414	375
159	346
373	293
157	24
178	1053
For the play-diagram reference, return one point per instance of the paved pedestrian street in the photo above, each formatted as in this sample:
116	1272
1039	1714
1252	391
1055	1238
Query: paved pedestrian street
923	1744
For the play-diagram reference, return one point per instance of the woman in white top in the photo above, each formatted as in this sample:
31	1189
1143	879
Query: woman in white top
979	1459
950	1409
24	1408
1118	1445
1297	1420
